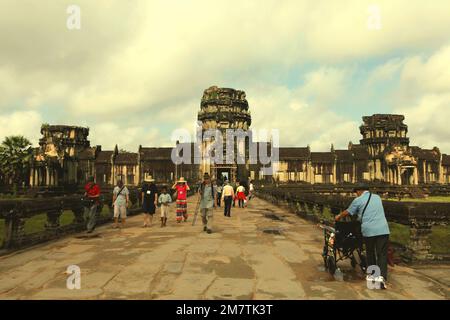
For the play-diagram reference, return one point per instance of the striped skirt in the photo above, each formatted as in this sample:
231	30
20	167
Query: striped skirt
181	209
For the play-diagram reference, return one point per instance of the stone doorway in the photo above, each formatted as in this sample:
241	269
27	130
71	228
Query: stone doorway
223	174
407	176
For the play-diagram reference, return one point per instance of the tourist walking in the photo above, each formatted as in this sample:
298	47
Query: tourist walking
219	188
208	199
235	193
251	189
120	203
227	197
181	188
164	200
149	196
240	194
374	227
92	201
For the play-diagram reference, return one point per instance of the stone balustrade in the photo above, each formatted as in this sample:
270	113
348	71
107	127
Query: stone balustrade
420	217
16	212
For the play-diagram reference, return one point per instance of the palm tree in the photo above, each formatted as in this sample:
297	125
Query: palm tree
15	156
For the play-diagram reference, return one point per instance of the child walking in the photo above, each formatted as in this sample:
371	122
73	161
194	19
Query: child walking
164	200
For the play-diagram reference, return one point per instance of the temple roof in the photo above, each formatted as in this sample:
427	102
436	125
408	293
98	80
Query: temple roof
384	121
424	154
446	159
162	153
104	157
87	154
302	153
322	157
126	158
344	155
61	128
360	152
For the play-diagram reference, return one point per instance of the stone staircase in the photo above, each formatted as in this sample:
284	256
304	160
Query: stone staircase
416	192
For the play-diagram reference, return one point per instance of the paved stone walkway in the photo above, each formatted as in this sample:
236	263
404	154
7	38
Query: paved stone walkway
238	261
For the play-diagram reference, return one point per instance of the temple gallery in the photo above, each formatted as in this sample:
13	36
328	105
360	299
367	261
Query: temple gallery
384	154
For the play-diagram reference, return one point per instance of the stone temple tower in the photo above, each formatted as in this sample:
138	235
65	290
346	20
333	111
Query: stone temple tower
222	109
386	140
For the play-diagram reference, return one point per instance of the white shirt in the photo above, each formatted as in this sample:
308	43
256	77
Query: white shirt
227	191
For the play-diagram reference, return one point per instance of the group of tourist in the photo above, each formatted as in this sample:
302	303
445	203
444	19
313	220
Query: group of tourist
212	195
367	206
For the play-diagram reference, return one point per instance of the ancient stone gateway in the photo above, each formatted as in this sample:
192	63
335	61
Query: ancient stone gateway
384	154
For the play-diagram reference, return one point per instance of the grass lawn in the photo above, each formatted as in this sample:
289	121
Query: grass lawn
37	223
327	214
399	233
440	239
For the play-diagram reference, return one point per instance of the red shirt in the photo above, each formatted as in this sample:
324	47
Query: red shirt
181	191
92	192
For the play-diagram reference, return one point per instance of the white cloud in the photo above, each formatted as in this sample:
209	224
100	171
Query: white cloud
109	134
424	98
25	123
311	124
134	65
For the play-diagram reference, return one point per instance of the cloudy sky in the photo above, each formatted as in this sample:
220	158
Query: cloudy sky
136	70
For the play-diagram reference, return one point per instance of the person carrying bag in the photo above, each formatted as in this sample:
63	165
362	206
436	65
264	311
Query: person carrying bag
374	229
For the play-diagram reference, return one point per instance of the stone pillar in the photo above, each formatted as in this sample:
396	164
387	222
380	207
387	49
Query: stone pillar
47	176
415	175
308	172
418	248
378	169
14	230
53	220
35	177
334	173
75	169
32	177
424	168
78	214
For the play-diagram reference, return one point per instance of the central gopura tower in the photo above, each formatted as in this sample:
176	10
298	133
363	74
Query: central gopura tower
222	109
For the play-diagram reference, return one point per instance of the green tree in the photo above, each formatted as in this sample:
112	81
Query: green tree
15	156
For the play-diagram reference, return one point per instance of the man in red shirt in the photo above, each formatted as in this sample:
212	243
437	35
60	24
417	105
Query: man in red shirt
92	193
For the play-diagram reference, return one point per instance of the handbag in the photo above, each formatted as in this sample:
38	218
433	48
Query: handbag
120	191
362	213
